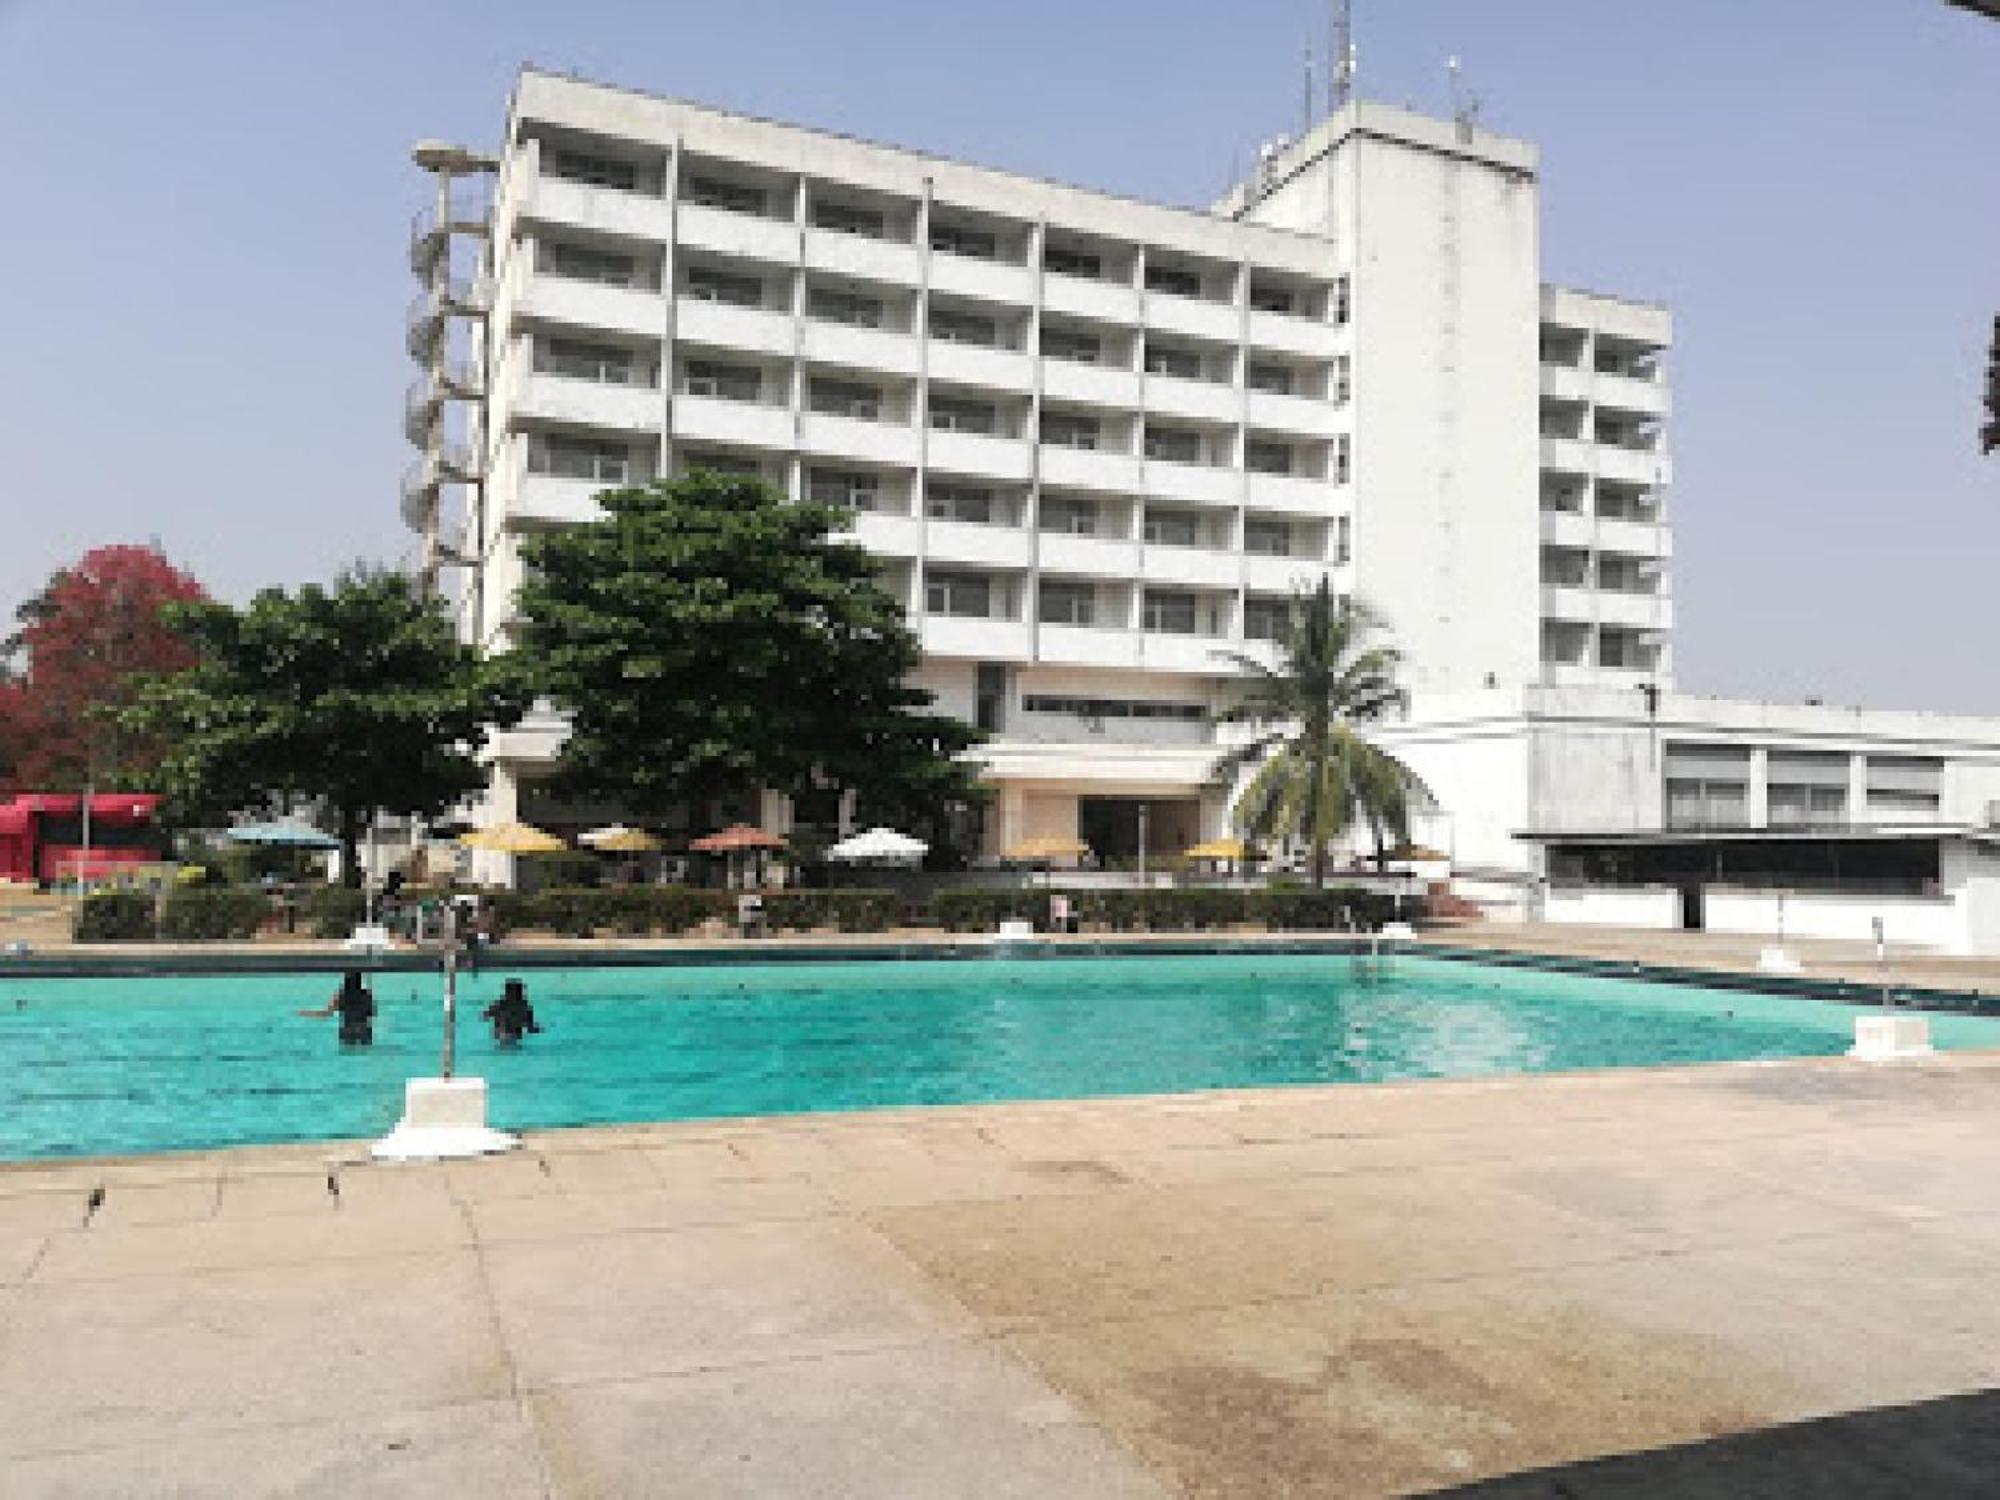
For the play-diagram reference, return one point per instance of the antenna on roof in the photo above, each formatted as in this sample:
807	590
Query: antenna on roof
1464	106
1306	120
1340	57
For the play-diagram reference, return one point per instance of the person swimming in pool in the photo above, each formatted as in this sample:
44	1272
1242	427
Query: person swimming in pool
512	1015
354	1003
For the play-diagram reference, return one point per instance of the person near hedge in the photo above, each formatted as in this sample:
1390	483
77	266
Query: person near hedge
512	1015
355	1005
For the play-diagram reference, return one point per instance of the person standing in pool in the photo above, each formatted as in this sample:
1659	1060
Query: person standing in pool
512	1015
355	1005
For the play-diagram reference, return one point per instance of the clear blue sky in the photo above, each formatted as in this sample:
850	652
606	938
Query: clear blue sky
202	276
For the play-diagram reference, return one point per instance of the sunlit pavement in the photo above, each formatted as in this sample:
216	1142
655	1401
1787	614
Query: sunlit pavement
1343	1291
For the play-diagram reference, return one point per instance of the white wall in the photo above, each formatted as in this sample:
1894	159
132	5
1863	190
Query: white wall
1656	908
1922	921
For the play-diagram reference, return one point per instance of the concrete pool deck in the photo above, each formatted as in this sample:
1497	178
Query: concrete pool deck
1742	1278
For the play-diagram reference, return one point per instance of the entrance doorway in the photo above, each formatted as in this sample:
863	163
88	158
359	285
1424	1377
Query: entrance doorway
1110	826
1693	915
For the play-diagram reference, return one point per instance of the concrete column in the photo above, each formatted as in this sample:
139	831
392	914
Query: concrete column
1758	810
1857	789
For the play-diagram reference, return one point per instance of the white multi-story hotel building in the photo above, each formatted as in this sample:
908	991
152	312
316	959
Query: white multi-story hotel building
1093	441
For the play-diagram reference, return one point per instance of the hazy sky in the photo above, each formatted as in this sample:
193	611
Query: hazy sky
202	277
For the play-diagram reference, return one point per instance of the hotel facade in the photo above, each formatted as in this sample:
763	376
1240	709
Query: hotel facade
1096	443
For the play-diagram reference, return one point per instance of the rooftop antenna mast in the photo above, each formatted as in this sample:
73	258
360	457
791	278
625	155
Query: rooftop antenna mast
1340	57
1464	105
1306	120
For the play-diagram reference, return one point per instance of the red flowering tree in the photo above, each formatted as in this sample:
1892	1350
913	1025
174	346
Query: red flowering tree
96	628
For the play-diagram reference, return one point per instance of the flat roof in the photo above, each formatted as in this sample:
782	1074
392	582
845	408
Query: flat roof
1821	833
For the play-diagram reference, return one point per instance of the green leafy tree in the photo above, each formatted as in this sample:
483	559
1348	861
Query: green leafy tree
1317	776
359	697
706	637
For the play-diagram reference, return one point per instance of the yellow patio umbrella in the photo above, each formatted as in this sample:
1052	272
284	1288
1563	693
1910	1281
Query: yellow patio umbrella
1047	847
1224	848
513	838
621	840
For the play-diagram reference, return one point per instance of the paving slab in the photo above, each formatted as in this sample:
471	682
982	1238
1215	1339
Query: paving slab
949	1418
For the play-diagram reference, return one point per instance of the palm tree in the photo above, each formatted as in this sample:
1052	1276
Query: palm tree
1316	775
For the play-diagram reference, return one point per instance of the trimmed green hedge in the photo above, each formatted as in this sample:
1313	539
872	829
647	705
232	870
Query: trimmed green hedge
667	910
114	917
205	914
848	910
1195	909
970	909
331	911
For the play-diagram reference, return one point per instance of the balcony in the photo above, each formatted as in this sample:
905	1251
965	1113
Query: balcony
723	325
587	403
550	500
857	255
1564	528
1201	484
1643	611
974	364
858	348
1089	469
1202	567
1567	456
642	216
1289	334
1082	297
750	236
590	304
1199	655
716	419
1565	383
890	444
1304	416
1090	556
1093	385
1569	602
984	546
985	280
1634	538
979	455
1627	393
888	535
1194	316
1086	646
1289	494
1202	400
1283	575
1640	466
981	640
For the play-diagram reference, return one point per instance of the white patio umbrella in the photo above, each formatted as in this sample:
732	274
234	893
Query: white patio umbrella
879	846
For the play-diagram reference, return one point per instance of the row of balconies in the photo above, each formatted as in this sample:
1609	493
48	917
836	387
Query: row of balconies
1649	539
1602	606
1645	468
1623	393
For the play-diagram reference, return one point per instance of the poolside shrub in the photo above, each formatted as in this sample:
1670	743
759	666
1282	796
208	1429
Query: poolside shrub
1336	909
628	910
971	909
332	911
848	910
212	914
114	917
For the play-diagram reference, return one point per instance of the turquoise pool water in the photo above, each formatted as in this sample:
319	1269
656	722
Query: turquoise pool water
91	1066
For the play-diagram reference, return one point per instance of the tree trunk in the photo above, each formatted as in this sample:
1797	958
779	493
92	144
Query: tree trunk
350	848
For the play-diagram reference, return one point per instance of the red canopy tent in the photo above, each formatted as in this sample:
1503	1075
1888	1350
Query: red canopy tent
41	834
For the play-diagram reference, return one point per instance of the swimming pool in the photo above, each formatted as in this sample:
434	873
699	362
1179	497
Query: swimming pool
96	1066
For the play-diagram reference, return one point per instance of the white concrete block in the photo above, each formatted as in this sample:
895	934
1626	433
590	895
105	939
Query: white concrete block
1016	929
1887	1038
1779	960
443	1118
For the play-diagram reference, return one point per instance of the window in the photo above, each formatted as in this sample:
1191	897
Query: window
1343	302
1343	379
592	170
851	489
1173	280
1267	538
844	307
1271	299
1173	444
734	197
1707	786
1274	379
1265	619
845	398
1173	528
600	362
958	239
961	502
1067	429
964	328
1263	457
1169	613
709	377
581	263
729	465
1163	359
1066	261
1072	344
845	218
1343	458
579	458
706	285
1072	517
989	687
1112	708
1804	786
952	414
1904	786
1343	539
1066	603
968	596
